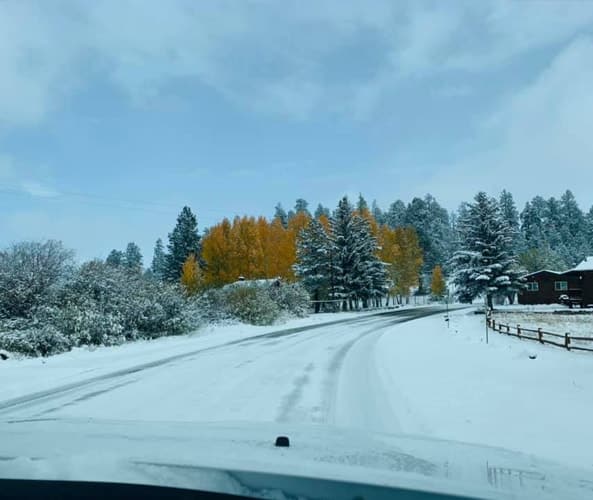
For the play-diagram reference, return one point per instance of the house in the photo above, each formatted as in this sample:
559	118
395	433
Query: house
573	287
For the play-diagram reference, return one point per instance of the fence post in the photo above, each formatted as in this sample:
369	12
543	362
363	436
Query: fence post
567	341
539	335
508	328
493	324
518	330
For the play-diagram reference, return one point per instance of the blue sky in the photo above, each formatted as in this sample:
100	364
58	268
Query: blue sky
115	114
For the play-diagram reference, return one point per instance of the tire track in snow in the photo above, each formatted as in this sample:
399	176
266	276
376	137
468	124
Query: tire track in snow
291	408
47	396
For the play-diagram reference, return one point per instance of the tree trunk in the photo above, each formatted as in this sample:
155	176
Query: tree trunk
489	301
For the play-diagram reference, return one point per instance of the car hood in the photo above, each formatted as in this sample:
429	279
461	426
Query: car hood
241	458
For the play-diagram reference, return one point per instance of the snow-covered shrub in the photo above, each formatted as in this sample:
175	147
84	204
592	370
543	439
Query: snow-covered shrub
252	304
30	273
44	341
256	302
104	305
291	298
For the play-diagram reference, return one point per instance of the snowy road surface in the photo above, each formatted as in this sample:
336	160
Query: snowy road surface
321	375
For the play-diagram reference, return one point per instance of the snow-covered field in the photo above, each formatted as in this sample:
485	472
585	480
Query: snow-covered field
446	382
575	322
391	374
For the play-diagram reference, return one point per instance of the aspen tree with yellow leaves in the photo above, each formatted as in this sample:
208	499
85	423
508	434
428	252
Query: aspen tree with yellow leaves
191	275
437	283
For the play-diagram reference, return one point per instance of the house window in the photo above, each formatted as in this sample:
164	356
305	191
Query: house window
533	286
560	286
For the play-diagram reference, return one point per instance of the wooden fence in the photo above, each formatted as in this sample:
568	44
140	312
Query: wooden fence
565	340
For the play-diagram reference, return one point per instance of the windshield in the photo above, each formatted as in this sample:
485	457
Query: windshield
365	226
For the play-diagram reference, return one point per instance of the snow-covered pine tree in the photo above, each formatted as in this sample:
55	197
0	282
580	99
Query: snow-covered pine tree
183	241
360	275
510	215
115	258
133	258
159	260
589	231
485	265
281	215
395	215
574	228
314	262
344	251
369	280
431	222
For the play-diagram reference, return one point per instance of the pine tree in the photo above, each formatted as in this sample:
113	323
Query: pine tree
301	206
510	215
115	258
322	211
360	275
362	205
281	215
437	283
314	264
191	276
344	247
369	279
159	260
589	231
395	216
431	222
485	264
133	258
377	213
183	241
574	228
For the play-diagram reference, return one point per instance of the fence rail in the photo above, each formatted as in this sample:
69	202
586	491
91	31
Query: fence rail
541	336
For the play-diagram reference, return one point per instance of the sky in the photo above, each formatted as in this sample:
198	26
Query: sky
116	114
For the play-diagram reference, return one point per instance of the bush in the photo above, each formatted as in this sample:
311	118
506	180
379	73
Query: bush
253	305
292	299
251	302
44	341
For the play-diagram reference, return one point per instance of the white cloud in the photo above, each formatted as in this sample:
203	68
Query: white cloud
538	142
268	56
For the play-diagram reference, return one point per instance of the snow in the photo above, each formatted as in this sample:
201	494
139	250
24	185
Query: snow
389	374
586	265
575	322
212	456
449	384
28	375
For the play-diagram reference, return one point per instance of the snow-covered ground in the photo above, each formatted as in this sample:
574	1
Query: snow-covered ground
446	382
391	374
575	322
20	376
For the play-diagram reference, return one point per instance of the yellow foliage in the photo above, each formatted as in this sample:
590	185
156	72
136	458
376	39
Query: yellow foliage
252	248
401	250
437	283
408	260
191	276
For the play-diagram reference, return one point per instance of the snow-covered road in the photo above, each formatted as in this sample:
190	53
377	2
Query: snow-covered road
321	375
